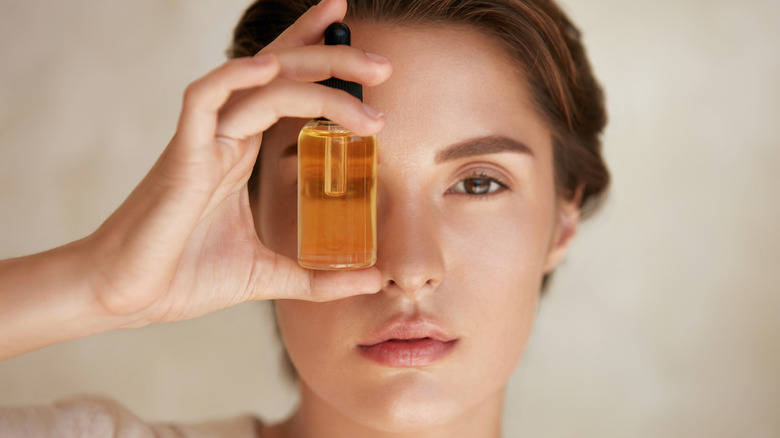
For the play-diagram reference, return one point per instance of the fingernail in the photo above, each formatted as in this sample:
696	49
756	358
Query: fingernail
262	59
372	112
375	57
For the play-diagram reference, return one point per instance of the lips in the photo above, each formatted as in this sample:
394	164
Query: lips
407	343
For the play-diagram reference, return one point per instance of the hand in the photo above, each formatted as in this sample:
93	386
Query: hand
183	244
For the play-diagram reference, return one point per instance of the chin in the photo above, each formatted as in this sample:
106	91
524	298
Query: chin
408	418
407	405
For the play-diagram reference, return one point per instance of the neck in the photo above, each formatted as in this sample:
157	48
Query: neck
316	418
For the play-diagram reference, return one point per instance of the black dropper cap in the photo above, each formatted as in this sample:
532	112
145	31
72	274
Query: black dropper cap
338	34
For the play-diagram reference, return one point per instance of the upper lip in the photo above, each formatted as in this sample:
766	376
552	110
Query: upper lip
404	329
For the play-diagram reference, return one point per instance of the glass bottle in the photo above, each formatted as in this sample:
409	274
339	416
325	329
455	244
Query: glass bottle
336	187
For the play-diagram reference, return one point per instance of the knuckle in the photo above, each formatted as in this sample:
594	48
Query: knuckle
309	290
193	93
200	90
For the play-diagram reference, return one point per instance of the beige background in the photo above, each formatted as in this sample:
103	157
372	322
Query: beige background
662	322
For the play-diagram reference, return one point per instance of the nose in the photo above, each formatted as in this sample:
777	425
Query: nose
410	253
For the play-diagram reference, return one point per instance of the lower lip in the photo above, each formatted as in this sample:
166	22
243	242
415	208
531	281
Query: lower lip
405	354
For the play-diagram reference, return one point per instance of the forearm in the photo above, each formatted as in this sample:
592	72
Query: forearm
47	298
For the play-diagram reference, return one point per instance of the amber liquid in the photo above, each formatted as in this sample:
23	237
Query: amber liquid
336	198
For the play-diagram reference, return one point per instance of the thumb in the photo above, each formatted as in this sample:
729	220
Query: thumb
285	279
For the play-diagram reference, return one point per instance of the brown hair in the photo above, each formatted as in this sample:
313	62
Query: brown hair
536	33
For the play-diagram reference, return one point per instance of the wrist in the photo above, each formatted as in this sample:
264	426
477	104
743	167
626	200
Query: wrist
97	259
48	298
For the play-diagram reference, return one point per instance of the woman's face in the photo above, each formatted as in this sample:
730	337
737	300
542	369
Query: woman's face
468	223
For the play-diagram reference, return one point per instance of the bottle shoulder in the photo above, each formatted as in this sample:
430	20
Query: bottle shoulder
327	128
325	125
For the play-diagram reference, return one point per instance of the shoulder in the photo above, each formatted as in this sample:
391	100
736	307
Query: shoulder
103	417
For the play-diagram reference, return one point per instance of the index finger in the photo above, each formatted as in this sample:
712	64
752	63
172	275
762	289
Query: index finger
309	28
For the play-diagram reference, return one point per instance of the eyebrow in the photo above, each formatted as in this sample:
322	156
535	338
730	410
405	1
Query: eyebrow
491	144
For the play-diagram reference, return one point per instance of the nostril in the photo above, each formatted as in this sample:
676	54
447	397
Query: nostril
408	286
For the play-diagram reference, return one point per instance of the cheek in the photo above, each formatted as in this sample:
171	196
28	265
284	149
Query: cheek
497	242
298	328
314	333
508	294
495	273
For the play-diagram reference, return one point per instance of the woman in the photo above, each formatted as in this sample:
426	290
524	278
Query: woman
488	119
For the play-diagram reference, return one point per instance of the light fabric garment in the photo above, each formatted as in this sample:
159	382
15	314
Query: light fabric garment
91	417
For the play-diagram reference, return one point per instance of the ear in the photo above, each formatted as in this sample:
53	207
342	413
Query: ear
568	218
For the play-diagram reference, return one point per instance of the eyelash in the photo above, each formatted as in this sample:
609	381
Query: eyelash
495	185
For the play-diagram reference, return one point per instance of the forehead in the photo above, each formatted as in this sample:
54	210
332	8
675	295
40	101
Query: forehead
451	80
449	83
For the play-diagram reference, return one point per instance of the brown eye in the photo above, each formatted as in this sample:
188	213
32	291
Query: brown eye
477	186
